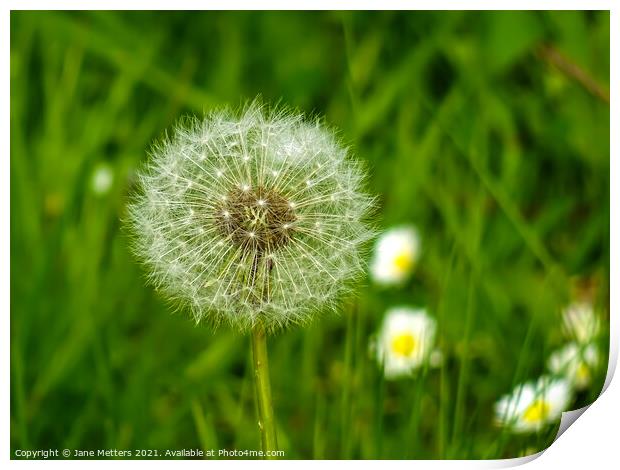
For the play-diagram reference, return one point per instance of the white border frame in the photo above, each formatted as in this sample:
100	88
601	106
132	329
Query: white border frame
592	441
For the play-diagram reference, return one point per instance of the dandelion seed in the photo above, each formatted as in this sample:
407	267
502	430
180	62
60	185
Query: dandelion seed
405	341
531	406
395	255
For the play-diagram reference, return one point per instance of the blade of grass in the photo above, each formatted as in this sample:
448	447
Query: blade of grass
345	397
457	427
443	378
204	426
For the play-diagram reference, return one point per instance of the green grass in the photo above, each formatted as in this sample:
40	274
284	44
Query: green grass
499	157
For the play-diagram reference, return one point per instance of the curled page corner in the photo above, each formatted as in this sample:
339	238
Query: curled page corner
517	461
568	418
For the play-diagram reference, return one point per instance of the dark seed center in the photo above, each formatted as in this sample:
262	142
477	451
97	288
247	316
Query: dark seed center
257	219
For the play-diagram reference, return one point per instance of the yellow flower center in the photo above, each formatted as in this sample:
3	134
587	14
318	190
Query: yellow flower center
403	344
403	261
583	372
536	412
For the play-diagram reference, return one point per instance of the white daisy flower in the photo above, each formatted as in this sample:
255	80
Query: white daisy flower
576	363
531	406
395	255
405	341
580	322
102	179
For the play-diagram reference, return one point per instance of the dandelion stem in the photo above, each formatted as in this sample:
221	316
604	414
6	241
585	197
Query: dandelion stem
266	421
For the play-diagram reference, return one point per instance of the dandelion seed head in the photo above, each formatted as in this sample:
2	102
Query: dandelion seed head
239	216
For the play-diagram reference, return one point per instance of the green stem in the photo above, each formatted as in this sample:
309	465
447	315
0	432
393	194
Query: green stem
266	421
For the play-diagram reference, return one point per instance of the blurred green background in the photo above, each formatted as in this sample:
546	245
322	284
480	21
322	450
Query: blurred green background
488	131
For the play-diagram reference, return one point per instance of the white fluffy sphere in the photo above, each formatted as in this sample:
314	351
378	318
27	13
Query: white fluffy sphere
251	219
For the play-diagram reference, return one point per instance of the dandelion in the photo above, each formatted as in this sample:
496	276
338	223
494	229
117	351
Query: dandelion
580	322
395	255
576	363
533	405
406	341
102	179
256	220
